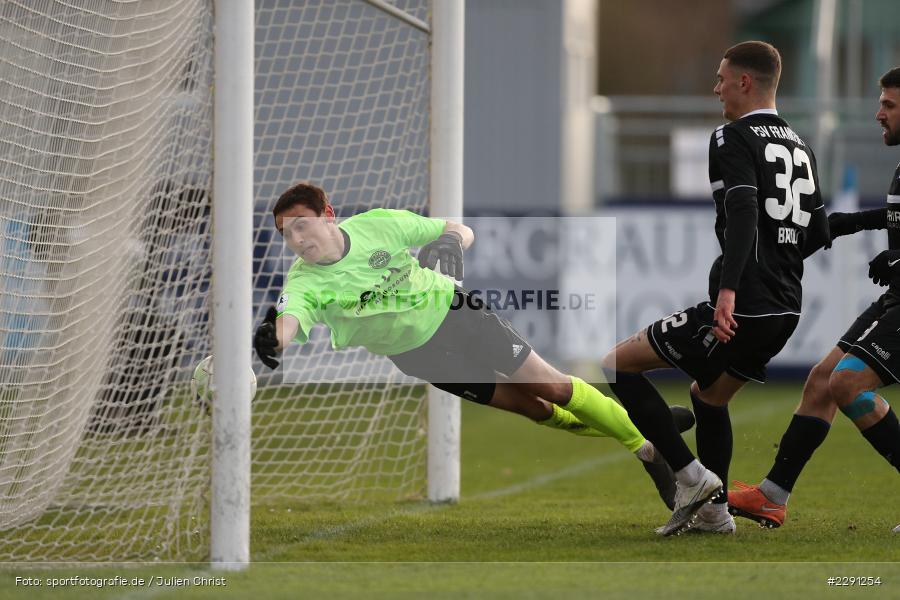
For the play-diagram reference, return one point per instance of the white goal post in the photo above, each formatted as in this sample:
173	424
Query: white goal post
129	213
447	108
232	253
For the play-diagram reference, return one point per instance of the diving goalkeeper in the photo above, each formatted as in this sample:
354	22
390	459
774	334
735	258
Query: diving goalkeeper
360	280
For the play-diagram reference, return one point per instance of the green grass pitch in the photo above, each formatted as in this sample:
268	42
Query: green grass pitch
545	514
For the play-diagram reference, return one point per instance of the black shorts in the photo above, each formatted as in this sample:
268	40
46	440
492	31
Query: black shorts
466	352
874	338
685	340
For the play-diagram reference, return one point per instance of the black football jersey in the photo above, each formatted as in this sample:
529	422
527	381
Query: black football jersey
893	212
893	220
761	153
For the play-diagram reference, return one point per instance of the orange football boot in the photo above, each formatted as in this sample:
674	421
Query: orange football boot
749	502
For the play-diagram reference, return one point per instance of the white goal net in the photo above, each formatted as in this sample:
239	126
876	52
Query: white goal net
106	131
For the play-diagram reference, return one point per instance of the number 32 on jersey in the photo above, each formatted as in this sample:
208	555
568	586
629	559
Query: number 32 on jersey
777	209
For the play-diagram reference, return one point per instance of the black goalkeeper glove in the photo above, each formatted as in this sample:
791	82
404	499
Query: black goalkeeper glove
884	266
844	224
448	249
265	340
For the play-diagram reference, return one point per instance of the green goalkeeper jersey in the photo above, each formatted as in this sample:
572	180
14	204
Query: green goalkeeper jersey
376	296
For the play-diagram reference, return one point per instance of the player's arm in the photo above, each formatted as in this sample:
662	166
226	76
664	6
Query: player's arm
466	234
740	231
286	327
850	223
733	167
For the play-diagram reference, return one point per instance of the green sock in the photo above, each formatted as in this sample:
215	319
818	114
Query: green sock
603	413
563	419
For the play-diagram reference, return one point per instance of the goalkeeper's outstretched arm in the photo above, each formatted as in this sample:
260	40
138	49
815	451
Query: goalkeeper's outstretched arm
273	335
286	327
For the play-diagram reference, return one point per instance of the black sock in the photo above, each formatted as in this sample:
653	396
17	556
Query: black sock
798	443
714	439
650	413
885	437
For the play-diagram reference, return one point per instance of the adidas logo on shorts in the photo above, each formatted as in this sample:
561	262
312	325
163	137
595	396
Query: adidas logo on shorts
517	350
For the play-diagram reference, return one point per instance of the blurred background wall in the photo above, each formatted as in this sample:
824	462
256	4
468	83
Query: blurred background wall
645	69
605	107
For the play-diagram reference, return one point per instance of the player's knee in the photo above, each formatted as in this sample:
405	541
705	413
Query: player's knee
817	400
815	390
614	363
819	375
843	386
848	379
559	392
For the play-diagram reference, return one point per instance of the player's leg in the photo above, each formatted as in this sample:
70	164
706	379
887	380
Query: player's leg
513	398
485	340
816	400
624	366
574	399
874	364
537	377
473	340
852	385
766	503
673	341
854	390
473	378
469	378
473	344
807	430
714	438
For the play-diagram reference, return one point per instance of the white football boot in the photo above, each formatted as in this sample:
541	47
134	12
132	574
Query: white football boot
688	500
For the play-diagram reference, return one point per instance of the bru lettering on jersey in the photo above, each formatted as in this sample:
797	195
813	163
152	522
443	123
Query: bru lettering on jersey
787	235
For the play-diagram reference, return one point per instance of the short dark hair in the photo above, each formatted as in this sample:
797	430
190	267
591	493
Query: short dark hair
302	194
762	58
891	79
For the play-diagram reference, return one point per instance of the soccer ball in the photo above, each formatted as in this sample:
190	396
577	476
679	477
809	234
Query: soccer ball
202	382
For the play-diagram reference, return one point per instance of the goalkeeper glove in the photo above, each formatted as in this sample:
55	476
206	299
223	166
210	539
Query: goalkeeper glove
448	249
884	266
265	341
